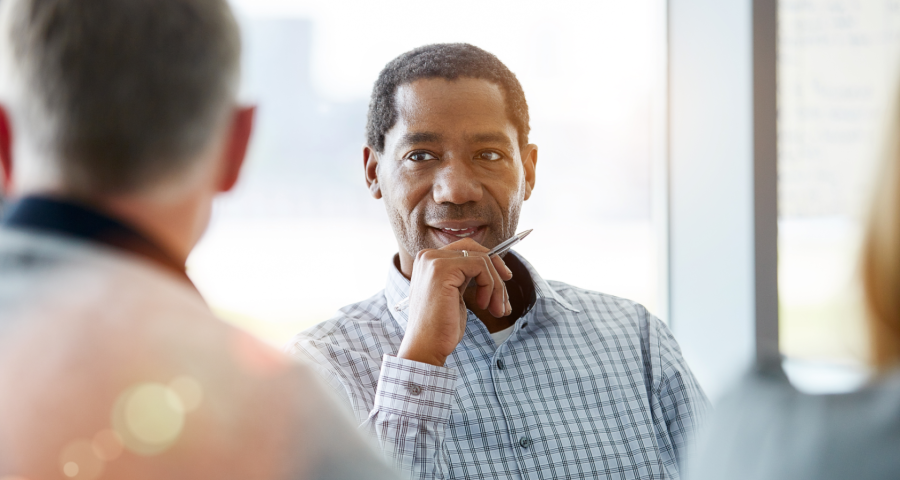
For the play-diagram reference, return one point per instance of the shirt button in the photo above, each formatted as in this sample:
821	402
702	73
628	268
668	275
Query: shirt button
414	389
500	364
525	442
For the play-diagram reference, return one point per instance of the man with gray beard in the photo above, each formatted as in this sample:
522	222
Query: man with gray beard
490	371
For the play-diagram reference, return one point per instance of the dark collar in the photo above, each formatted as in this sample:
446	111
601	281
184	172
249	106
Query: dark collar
521	289
67	218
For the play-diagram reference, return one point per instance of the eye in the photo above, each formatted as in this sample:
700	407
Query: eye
420	156
489	156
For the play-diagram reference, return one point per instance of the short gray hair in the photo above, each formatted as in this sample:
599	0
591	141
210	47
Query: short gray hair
132	90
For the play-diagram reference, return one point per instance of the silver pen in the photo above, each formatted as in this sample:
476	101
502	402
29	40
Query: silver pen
498	250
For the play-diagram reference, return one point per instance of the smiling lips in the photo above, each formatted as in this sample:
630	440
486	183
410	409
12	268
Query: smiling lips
460	232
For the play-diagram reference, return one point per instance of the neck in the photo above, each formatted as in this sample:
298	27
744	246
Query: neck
174	224
404	262
176	227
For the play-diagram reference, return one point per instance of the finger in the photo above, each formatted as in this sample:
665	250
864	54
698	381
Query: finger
492	295
505	275
484	278
508	304
466	244
504	271
500	299
459	270
493	299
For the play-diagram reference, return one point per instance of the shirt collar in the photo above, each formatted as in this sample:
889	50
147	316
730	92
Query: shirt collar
398	286
67	218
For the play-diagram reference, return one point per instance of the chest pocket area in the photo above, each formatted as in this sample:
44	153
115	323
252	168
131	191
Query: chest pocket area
579	395
591	418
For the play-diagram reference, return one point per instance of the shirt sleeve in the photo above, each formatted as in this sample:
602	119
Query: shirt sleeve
406	411
412	408
677	401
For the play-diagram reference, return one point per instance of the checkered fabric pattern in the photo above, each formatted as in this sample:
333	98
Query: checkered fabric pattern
587	386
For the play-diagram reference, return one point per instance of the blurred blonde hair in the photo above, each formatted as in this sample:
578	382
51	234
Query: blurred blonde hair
880	260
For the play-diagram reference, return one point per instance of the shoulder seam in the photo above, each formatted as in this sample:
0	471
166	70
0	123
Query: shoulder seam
573	288
327	327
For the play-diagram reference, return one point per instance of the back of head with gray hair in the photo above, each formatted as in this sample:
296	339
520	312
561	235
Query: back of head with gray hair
121	95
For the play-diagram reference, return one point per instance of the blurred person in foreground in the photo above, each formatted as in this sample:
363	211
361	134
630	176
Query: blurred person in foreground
118	127
492	372
768	430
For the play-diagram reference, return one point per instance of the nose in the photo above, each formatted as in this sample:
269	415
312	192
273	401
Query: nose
457	183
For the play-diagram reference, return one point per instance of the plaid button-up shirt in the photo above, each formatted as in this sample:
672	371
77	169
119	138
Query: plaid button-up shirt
587	385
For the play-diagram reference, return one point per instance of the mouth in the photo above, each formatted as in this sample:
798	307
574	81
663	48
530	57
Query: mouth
448	234
460	232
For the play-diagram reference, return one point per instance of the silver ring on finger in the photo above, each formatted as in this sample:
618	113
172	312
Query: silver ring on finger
465	253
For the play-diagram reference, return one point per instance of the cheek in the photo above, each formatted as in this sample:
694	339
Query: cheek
406	192
509	190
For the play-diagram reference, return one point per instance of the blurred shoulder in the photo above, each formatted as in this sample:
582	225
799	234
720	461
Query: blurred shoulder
767	429
99	330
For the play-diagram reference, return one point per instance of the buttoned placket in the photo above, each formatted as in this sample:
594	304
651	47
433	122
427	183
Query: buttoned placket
501	371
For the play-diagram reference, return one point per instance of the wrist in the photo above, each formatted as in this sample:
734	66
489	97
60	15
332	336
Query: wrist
421	355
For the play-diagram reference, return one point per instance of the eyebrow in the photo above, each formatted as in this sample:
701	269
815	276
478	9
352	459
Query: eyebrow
492	137
414	138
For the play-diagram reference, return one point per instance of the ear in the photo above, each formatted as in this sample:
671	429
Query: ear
238	139
6	162
529	162
370	166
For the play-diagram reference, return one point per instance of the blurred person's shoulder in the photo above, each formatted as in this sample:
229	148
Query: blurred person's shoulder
90	330
29	259
765	428
48	276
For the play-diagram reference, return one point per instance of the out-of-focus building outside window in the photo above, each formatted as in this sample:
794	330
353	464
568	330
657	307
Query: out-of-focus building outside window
301	237
837	81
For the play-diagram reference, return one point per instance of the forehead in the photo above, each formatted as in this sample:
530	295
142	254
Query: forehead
464	105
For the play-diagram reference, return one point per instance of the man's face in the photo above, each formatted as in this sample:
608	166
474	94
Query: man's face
451	167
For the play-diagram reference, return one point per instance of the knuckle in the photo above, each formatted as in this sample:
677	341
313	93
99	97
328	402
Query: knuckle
488	264
438	262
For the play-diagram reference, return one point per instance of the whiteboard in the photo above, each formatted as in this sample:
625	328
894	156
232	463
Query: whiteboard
838	64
